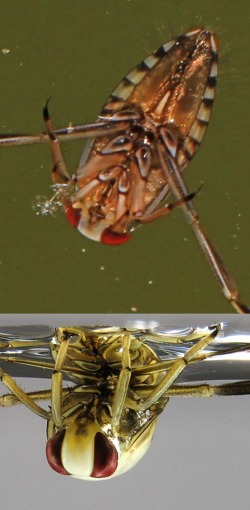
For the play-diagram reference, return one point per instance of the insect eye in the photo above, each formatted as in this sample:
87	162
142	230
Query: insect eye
83	451
112	238
53	452
73	215
106	458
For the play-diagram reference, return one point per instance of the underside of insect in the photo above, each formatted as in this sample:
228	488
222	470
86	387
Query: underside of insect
120	182
147	132
101	425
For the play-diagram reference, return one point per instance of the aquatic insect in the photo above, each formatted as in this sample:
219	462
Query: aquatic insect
103	424
146	134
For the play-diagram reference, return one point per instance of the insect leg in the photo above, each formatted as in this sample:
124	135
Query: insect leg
179	191
198	390
69	133
166	209
59	171
207	390
14	351
192	355
57	377
23	397
123	381
10	399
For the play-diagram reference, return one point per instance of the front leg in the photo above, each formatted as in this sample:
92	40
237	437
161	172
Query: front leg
60	173
57	378
123	382
166	209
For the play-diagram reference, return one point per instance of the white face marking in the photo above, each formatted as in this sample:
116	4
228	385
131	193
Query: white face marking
91	232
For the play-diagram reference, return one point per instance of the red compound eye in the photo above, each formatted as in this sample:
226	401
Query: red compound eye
53	452
73	215
105	457
112	238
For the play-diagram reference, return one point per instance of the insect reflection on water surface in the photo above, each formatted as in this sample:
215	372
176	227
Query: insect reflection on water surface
146	134
103	424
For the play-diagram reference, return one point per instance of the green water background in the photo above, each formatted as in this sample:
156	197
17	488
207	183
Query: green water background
76	53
